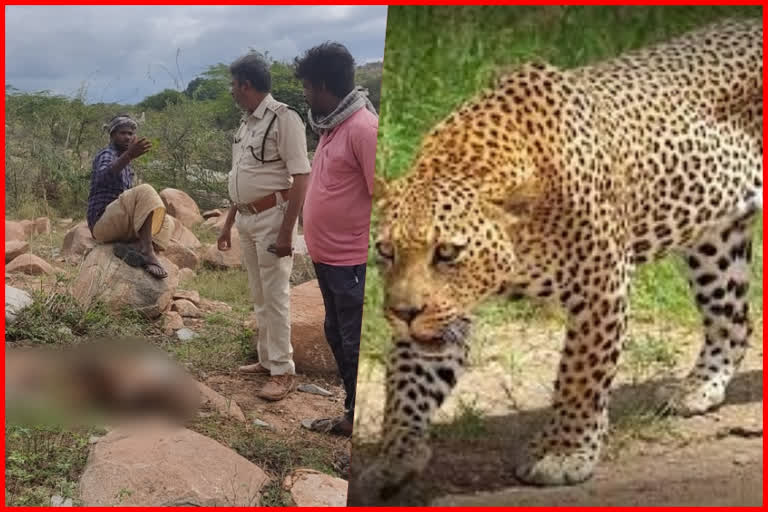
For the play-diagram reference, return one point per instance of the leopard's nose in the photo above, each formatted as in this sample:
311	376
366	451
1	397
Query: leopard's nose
407	314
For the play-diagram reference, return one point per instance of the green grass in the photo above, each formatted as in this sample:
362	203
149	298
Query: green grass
439	57
468	423
41	462
230	286
646	355
56	317
221	344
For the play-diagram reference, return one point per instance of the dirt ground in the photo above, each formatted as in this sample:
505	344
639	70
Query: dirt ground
714	459
284	416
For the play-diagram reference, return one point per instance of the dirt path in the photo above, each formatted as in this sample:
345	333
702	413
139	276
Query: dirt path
727	472
714	459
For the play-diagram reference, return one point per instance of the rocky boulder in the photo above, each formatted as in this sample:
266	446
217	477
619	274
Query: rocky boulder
105	277
14	249
42	225
215	223
192	296
15	231
181	206
28	226
214	258
185	308
78	242
311	352
182	256
181	235
156	466
15	301
310	488
224	406
29	264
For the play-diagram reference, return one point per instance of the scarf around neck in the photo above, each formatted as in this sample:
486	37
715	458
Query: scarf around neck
351	103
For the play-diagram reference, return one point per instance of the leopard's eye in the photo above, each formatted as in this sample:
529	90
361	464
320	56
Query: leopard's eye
447	253
385	251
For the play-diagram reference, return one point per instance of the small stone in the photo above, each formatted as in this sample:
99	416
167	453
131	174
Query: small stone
314	389
310	488
260	423
214	306
185	308
172	321
211	213
58	501
192	296
742	460
186	274
15	301
185	334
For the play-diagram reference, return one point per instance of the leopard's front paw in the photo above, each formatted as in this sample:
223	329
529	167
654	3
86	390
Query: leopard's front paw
556	468
386	477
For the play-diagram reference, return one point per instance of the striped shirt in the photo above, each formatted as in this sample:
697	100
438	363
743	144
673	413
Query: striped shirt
106	186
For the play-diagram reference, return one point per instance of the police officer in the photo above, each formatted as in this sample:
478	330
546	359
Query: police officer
267	184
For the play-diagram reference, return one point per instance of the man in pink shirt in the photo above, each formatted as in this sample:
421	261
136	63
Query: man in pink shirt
337	207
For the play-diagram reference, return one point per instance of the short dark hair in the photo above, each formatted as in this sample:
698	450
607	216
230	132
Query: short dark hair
331	64
253	68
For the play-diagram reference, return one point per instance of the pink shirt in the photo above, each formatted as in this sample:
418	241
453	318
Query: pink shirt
337	207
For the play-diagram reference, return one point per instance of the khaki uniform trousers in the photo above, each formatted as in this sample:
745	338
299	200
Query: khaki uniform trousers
269	280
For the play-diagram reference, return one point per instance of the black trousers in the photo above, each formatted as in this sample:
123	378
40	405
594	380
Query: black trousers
343	289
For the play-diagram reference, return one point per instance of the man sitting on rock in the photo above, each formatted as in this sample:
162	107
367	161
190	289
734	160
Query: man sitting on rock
119	212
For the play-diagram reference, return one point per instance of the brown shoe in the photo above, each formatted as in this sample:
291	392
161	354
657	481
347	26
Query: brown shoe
254	368
278	387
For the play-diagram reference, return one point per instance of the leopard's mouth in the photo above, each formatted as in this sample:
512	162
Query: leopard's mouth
455	331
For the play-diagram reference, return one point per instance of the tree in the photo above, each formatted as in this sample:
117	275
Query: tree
211	85
161	100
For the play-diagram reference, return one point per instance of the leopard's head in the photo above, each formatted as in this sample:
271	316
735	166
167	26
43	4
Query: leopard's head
445	244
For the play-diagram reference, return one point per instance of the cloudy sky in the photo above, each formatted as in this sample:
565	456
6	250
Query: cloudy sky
125	53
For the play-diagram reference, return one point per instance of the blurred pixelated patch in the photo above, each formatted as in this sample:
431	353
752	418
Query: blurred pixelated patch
96	383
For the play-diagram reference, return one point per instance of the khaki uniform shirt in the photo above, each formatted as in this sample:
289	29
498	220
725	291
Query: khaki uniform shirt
285	152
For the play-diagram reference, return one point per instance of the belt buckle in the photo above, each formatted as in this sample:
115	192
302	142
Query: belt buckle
244	209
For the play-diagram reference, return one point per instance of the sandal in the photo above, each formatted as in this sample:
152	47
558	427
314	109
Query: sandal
134	258
129	255
328	426
155	270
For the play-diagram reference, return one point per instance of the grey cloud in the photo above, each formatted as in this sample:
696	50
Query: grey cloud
124	53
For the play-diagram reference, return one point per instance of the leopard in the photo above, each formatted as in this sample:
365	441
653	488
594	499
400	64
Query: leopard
557	184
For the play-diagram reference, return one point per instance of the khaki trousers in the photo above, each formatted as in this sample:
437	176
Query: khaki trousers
124	216
268	277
